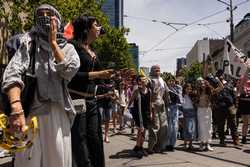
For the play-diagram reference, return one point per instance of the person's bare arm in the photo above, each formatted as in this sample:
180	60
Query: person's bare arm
104	74
17	118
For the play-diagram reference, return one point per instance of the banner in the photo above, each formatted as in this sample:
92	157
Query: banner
234	61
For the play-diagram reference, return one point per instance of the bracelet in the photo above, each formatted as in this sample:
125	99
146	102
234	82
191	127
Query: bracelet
15	101
17	113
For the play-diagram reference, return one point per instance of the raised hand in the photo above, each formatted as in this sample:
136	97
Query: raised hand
53	32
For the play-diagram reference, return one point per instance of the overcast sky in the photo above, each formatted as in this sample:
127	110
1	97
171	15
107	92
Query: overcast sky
148	34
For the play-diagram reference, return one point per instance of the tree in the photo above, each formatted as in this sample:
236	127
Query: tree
18	16
166	76
192	73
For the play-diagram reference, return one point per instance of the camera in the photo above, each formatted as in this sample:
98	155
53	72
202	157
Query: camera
102	31
212	80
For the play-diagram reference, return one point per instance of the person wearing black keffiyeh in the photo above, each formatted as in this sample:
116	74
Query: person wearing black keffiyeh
56	62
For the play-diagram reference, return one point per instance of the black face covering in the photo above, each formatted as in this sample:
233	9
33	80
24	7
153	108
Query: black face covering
43	22
42	25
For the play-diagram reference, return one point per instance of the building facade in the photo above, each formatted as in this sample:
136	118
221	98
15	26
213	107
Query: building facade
203	48
180	64
241	42
242	35
134	51
114	11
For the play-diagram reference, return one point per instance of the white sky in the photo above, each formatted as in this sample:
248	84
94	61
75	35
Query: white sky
147	34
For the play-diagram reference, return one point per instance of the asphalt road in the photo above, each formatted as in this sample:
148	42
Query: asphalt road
118	154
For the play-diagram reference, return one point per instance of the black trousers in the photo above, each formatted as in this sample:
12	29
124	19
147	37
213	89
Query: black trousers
224	114
87	143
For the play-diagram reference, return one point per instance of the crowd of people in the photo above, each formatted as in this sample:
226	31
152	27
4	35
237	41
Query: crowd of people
75	96
199	111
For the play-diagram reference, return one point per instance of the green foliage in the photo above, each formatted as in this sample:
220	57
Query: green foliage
192	73
166	76
112	47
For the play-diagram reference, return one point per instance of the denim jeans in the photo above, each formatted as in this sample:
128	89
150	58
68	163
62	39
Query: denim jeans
172	115
189	124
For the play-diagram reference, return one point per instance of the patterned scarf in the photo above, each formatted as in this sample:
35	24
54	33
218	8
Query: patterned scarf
42	27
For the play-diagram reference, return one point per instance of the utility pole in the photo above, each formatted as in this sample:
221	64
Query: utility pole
231	8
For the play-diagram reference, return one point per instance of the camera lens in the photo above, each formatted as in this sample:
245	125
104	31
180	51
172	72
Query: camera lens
102	31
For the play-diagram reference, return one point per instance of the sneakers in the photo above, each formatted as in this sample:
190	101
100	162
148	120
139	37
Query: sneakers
244	140
209	148
185	146
169	148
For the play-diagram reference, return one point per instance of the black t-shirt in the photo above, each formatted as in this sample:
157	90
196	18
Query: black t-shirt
145	109
80	82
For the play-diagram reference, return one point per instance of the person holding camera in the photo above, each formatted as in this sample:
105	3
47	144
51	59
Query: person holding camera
56	62
226	110
86	131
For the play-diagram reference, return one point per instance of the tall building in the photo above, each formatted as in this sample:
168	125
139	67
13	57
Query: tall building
181	63
134	50
205	47
114	10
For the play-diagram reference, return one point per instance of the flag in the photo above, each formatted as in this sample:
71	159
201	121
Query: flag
68	31
234	61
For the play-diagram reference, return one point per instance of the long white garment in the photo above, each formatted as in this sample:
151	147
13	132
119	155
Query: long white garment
204	116
52	145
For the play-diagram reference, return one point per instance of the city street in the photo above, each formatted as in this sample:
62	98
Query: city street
118	154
